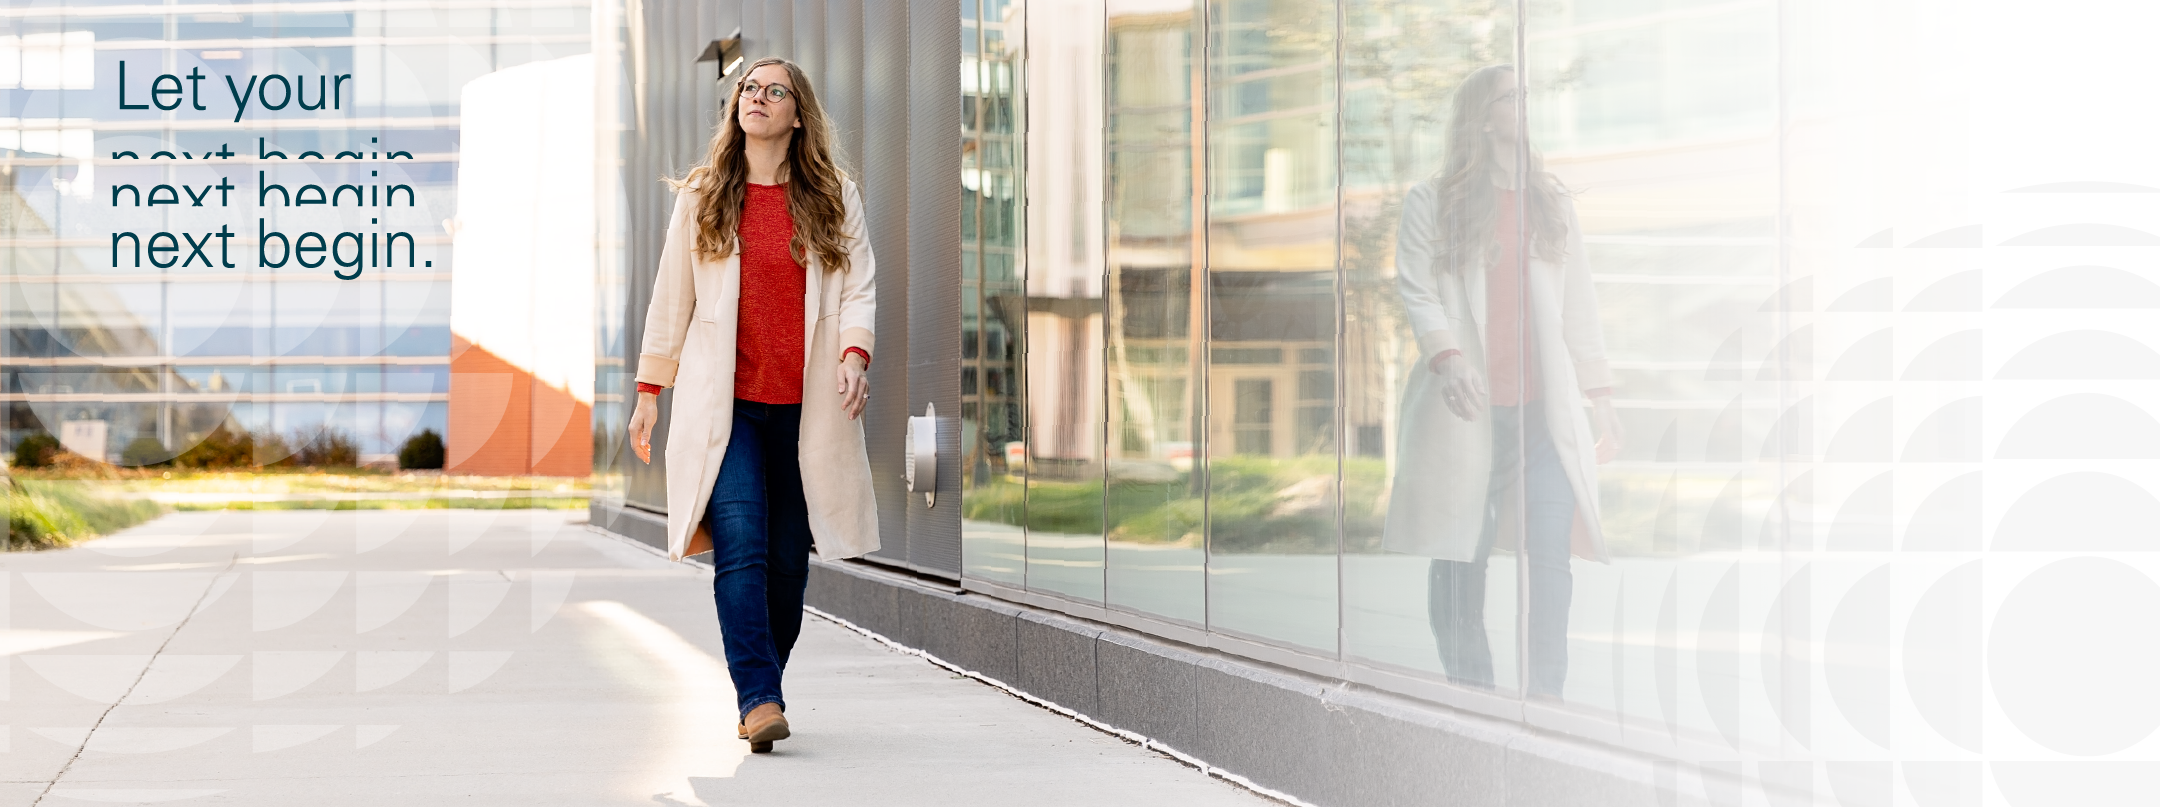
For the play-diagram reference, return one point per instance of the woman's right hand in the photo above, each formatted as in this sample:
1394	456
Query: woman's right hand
1461	385
641	424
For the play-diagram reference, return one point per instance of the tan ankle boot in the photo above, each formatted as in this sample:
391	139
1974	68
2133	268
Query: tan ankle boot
742	732
762	726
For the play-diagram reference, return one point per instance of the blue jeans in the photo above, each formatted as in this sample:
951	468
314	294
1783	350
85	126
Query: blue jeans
761	548
1455	590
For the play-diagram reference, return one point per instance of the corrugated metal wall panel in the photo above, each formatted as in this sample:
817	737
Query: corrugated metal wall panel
934	268
810	38
753	31
884	166
844	76
778	37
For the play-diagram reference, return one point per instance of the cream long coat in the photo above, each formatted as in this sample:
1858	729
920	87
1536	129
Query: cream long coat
690	345
1436	503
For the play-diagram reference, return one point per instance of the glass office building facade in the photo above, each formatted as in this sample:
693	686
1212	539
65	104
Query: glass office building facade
141	344
1798	408
1757	386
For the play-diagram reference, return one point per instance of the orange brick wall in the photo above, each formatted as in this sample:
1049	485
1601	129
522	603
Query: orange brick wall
504	422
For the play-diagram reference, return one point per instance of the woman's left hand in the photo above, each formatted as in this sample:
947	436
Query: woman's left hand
854	386
1610	436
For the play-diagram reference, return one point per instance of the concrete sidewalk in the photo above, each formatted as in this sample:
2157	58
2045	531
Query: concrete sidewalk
479	657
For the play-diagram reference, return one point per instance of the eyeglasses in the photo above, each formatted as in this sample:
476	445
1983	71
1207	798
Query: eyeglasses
774	93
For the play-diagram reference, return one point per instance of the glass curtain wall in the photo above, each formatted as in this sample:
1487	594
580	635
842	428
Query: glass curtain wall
614	371
1273	472
153	354
1064	309
993	301
1649	371
1156	323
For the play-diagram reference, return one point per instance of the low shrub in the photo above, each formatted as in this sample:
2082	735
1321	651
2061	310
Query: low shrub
423	451
224	447
330	449
36	450
144	451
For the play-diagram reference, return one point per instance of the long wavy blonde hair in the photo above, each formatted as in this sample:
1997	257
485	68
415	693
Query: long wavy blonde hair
1469	204
814	180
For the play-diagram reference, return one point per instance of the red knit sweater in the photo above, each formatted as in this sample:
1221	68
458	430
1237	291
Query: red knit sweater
769	325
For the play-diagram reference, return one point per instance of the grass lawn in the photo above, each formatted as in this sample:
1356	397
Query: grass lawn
50	508
44	514
303	481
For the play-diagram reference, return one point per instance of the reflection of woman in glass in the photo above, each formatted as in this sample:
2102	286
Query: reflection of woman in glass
1495	439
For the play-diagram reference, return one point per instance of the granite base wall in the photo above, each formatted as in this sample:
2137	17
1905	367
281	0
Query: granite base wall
1319	741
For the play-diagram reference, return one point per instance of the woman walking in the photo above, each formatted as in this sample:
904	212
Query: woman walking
1496	445
761	320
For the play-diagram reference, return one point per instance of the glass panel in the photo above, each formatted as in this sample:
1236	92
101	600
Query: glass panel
327	319
416	318
101	319
993	462
210	319
1155	503
1662	126
403	420
614	357
213	380
1272	464
1064	368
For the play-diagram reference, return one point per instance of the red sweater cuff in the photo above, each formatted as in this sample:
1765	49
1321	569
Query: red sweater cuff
865	355
652	388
